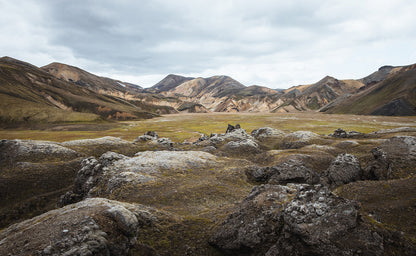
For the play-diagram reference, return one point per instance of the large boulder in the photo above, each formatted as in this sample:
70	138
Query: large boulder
299	139
242	146
97	147
236	135
291	171
265	133
13	151
395	158
95	226
316	222
340	133
235	142
296	219
89	175
149	135
345	168
112	171
256	222
108	140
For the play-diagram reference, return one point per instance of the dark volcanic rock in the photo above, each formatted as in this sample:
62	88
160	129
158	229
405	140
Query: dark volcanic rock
395	158
257	222
340	133
95	226
231	128
319	223
291	171
344	169
297	219
149	135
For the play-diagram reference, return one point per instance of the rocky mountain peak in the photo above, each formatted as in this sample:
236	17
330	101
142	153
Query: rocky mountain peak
16	61
170	82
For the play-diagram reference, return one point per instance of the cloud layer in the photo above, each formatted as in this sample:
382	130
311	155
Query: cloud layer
272	43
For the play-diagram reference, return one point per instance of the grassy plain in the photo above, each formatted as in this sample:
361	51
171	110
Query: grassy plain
180	127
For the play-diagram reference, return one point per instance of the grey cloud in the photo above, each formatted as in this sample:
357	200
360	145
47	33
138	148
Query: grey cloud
278	43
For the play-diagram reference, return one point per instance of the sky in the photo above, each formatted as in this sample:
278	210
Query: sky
273	43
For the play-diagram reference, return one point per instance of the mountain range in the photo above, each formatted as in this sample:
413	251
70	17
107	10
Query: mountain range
58	93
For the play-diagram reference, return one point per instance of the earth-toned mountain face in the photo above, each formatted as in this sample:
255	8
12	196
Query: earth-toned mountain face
169	82
29	94
315	96
102	85
390	91
216	94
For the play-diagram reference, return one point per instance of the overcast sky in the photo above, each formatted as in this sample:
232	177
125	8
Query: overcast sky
274	43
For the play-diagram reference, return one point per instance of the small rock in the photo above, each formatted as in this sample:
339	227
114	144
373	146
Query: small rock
266	133
147	136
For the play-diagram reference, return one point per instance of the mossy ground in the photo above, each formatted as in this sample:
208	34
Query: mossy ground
388	205
199	199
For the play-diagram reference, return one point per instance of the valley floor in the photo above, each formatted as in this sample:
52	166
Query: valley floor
282	184
189	126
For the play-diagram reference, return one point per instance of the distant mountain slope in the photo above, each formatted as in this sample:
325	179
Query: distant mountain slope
217	93
216	86
146	101
169	83
99	84
84	96
314	96
394	95
379	75
29	94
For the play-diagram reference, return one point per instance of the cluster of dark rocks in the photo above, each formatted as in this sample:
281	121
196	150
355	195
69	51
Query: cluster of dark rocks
294	211
340	133
296	219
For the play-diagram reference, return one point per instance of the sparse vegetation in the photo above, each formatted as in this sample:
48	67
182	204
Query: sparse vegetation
180	127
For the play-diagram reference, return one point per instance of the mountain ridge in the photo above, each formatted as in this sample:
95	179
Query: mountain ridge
176	93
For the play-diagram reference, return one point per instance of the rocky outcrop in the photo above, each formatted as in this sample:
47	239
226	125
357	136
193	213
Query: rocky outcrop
265	133
395	158
234	142
344	169
236	147
95	226
347	144
88	177
256	222
12	151
296	219
149	135
231	128
395	130
97	147
340	133
152	138
112	171
103	141
299	139
291	171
